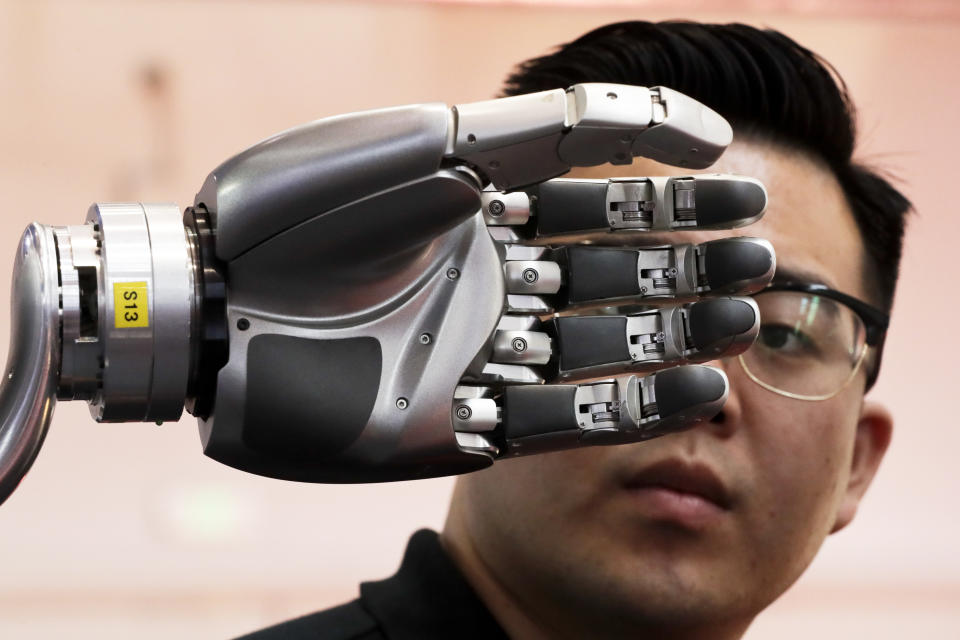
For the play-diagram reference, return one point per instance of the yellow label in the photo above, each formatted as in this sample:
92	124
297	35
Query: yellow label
130	305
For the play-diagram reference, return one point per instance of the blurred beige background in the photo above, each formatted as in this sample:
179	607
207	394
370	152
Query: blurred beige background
127	531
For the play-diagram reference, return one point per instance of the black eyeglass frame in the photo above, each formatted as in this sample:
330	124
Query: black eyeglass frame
875	321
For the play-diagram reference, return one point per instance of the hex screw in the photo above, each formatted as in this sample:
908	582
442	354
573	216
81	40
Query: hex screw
496	208
464	412
425	338
452	273
402	403
519	345
530	276
243	324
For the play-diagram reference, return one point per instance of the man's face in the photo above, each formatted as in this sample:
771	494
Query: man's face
568	527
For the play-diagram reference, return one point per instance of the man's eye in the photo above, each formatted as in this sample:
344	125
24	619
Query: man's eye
784	339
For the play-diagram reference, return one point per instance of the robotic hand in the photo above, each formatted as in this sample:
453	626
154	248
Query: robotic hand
399	293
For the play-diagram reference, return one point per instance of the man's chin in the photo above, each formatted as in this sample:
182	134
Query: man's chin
669	597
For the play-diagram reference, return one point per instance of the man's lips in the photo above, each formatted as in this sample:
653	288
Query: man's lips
689	493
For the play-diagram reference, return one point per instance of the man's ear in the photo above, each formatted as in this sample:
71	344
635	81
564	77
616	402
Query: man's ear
874	430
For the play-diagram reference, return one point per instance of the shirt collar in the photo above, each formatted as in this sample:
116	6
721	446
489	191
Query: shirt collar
428	597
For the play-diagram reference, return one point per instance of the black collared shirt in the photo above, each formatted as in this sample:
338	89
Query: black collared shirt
427	598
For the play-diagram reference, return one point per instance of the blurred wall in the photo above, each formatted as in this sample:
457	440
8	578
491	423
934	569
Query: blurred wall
124	531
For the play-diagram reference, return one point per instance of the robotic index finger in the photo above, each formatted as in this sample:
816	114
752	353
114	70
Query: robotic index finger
356	239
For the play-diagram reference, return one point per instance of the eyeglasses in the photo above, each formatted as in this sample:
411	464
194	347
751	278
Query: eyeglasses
812	340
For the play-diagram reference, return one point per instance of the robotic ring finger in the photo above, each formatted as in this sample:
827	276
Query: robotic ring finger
402	293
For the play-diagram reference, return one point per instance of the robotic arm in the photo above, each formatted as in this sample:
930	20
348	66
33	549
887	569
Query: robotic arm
400	293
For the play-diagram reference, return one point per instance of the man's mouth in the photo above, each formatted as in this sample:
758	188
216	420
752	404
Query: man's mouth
688	494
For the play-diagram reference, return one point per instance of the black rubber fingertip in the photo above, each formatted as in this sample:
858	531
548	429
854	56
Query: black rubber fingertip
597	273
537	409
723	202
591	340
566	207
682	388
728	262
714	323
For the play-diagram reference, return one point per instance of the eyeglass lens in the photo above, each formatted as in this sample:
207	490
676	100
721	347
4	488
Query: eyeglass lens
807	346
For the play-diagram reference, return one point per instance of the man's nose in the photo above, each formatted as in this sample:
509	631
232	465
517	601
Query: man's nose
725	422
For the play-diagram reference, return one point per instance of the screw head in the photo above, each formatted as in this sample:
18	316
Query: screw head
530	276
496	208
643	289
402	403
452	273
464	412
425	338
519	345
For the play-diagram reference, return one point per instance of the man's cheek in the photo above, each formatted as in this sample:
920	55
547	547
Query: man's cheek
557	487
811	472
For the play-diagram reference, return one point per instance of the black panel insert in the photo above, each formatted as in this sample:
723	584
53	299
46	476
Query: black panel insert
309	399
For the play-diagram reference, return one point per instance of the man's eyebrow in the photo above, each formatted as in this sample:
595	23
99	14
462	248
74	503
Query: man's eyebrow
830	309
792	274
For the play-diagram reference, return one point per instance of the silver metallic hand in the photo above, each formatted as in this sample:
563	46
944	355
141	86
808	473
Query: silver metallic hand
400	293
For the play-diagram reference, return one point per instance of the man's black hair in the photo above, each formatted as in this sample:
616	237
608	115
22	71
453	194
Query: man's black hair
765	84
